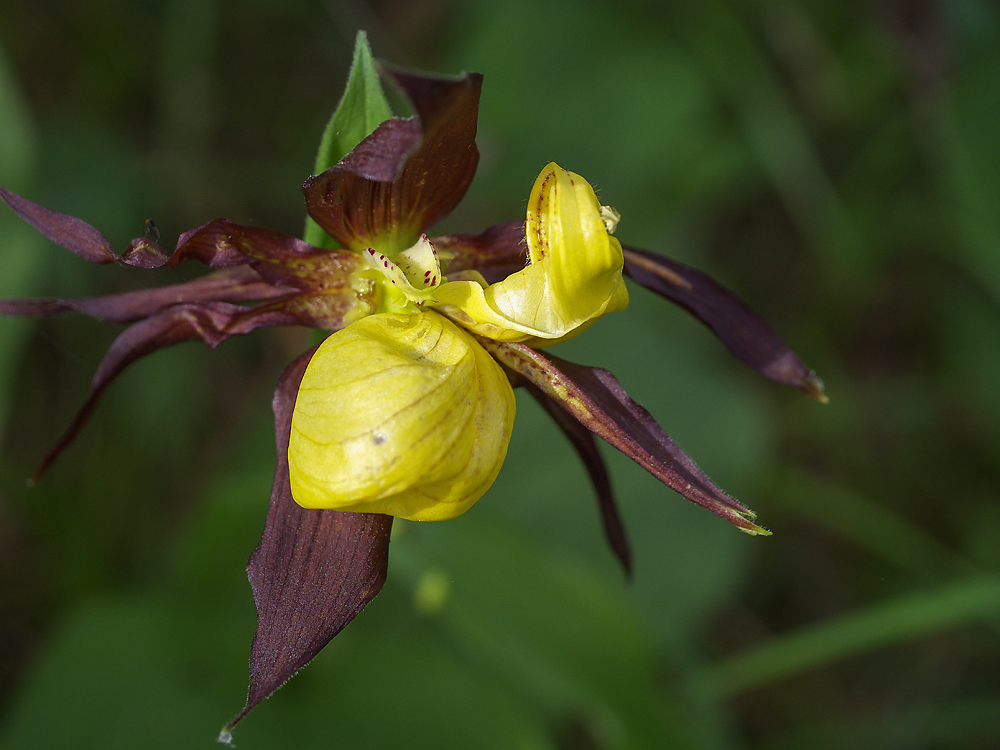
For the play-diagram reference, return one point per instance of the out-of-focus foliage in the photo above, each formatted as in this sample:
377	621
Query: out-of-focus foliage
836	164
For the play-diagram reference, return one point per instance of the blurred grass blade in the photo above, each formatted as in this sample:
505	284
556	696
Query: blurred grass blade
870	525
362	108
774	131
885	624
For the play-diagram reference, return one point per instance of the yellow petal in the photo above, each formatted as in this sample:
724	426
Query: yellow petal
574	276
399	414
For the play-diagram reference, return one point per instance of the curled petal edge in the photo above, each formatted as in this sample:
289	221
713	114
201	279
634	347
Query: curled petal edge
574	275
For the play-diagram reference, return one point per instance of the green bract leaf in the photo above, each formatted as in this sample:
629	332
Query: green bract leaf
407	175
362	108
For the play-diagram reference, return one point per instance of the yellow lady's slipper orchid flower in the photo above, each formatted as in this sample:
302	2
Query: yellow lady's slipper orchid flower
402	412
399	414
574	274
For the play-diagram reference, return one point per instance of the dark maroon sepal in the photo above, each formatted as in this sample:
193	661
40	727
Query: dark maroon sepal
737	326
597	400
238	285
80	238
408	174
279	258
582	440
496	253
313	571
209	244
382	156
211	322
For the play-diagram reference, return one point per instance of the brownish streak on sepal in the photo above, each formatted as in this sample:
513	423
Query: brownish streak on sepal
597	400
583	441
211	322
278	258
431	161
743	332
658	267
313	571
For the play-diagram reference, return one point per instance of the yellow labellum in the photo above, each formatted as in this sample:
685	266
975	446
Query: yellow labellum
574	275
399	414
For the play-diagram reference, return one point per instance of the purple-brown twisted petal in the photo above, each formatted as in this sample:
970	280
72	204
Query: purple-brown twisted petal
583	441
313	571
597	401
280	259
211	322
408	174
80	238
743	332
232	285
501	251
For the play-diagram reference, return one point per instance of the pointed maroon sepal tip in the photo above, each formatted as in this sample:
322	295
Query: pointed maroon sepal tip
742	331
225	736
311	574
812	386
211	322
595	399
408	174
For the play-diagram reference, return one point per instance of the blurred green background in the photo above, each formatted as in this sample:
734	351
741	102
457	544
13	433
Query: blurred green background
836	164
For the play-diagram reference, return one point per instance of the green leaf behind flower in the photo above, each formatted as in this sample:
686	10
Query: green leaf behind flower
362	108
